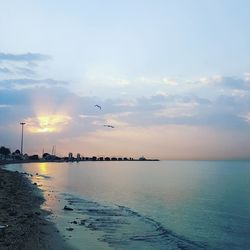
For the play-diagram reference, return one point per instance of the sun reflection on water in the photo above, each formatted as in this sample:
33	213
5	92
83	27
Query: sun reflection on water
42	167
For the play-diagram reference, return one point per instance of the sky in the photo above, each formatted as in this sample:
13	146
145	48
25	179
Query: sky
172	77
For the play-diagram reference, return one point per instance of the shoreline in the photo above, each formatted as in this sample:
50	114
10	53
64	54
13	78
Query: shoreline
11	161
26	226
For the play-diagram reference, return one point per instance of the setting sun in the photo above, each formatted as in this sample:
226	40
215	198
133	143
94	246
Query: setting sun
47	123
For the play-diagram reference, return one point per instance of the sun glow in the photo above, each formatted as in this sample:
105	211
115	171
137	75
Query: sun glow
47	123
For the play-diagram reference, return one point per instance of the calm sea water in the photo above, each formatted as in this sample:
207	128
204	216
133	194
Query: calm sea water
148	205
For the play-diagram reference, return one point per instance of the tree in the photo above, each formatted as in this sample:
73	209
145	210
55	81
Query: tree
4	151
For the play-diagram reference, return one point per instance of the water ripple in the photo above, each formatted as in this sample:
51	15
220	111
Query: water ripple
124	228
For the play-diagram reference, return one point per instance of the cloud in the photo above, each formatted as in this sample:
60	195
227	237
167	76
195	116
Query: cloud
16	67
206	87
178	110
234	83
14	70
22	71
240	92
247	77
246	117
56	115
27	57
25	71
188	109
27	82
170	81
5	70
4	106
15	97
47	123
225	82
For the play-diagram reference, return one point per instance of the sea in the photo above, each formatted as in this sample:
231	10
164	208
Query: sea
146	204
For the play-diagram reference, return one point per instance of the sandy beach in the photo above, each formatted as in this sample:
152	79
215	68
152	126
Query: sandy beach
25	224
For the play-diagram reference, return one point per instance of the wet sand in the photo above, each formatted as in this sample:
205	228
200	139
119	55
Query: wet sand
26	225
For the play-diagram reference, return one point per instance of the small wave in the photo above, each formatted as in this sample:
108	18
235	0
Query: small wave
124	228
42	176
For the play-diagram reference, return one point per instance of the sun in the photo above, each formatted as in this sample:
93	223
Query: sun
47	123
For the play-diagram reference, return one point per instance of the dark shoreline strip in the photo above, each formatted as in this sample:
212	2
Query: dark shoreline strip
27	228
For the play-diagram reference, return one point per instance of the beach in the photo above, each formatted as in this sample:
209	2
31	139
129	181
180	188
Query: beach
25	222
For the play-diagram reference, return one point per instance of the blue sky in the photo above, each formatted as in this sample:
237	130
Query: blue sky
177	67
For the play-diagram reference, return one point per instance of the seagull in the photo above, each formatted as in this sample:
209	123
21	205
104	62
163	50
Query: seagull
98	106
109	126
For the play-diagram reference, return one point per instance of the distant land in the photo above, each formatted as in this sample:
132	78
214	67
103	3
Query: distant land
6	156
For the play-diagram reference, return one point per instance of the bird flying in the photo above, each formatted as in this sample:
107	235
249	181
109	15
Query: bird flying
98	106
109	126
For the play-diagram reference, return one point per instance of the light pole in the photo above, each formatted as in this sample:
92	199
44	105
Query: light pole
22	124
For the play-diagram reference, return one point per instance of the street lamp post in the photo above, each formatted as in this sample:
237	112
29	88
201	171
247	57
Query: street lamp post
22	124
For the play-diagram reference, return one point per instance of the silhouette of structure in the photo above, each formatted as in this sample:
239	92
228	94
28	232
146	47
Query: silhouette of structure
70	157
22	124
78	157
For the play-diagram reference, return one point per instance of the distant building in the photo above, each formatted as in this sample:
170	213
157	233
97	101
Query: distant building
70	158
17	155
34	157
48	157
45	155
78	157
25	157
